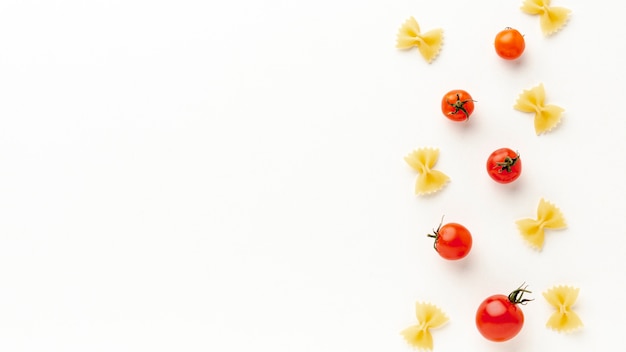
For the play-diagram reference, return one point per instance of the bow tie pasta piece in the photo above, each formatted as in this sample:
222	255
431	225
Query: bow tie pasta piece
551	19
548	217
562	298
546	116
428	181
429	317
428	44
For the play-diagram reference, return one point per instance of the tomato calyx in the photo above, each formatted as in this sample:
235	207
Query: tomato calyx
459	105
507	28
507	163
435	234
515	297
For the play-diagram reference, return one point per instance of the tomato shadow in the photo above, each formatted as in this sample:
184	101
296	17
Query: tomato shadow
467	125
462	266
513	64
515	186
507	190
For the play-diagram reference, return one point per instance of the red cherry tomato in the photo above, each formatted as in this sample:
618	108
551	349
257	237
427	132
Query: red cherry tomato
504	165
457	105
452	241
499	318
509	44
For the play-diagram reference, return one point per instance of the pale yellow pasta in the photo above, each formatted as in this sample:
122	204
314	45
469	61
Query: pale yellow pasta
548	217
428	180
429	317
562	298
533	101
428	44
551	18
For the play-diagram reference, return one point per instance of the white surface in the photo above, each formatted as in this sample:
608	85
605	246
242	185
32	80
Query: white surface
228	176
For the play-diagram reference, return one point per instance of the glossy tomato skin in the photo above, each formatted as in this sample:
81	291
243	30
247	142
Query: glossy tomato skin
504	165
457	105
453	241
498	319
509	44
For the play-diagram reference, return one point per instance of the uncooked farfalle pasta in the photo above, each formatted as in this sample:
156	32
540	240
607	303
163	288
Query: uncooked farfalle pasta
429	317
428	43
428	180
548	217
562	298
551	18
533	101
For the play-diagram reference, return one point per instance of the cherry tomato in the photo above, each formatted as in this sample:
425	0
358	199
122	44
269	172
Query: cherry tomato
509	44
457	105
499	318
504	165
452	241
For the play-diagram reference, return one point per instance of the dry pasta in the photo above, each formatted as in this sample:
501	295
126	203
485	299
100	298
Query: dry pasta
551	18
548	217
533	101
428	180
562	298
429	317
428	44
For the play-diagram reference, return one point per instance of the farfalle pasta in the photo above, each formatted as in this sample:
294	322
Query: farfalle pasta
429	317
551	18
428	44
548	217
428	180
533	101
562	298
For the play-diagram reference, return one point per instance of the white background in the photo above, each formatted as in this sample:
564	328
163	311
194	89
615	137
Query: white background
229	176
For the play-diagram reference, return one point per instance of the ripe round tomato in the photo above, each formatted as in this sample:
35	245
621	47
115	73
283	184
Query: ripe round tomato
504	165
509	44
457	105
499	318
452	241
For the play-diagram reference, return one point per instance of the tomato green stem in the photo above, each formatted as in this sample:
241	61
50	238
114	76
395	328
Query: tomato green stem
507	163
459	105
435	234
515	297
